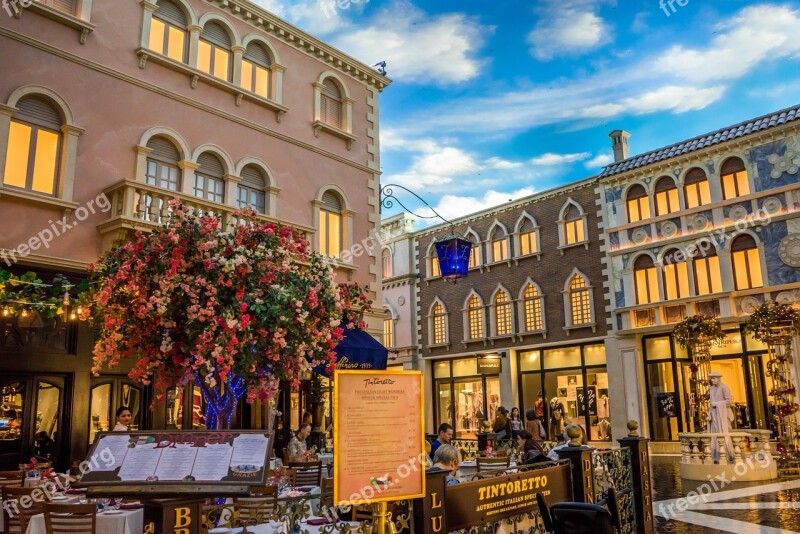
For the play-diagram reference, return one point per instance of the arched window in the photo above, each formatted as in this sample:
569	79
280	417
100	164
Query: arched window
214	51
734	179
330	225
532	304
475	318
34	145
706	270
255	69
646	280
666	196
388	330
502	314
252	189
209	178
638	204
676	275
574	225
580	301
439	324
475	251
386	263
499	244
168	30
528	244
695	188
162	164
746	263
331	103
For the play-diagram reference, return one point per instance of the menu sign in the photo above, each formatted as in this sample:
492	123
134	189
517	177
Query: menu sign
371	465
174	457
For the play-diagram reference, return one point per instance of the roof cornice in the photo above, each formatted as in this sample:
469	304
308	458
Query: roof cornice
294	36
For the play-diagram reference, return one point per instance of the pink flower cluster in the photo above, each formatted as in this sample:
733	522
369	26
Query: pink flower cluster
193	299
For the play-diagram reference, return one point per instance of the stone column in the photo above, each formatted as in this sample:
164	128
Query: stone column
640	465
580	457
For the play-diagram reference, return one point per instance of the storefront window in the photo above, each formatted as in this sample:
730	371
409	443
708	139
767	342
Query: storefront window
562	357
594	355
658	348
465	367
175	408
530	361
441	369
100	410
465	399
664	405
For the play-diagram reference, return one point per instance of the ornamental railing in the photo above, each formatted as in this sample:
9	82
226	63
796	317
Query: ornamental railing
612	469
747	445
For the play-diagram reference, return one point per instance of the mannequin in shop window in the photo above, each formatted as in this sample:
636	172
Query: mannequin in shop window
539	407
556	416
720	415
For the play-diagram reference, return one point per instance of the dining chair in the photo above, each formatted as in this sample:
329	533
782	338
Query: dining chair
12	479
13	511
306	473
493	464
326	496
362	512
258	507
70	518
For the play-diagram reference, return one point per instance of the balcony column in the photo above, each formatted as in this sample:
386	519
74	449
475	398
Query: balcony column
238	54
69	155
276	83
141	163
194	43
187	180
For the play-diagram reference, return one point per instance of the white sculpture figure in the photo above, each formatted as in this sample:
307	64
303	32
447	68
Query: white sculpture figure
720	415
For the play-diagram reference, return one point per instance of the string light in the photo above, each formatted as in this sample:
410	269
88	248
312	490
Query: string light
72	316
24	312
6	311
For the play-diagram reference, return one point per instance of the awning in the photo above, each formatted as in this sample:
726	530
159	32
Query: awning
359	351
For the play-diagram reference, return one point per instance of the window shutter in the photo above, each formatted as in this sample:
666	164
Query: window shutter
673	256
331	202
743	242
171	13
257	54
215	33
210	166
253	177
163	150
329	89
637	191
67	6
694	176
39	111
665	184
731	166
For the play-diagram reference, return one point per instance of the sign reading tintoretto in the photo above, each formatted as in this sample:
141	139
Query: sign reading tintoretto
368	467
484	501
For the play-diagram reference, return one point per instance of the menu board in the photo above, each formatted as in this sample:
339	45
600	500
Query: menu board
379	437
174	457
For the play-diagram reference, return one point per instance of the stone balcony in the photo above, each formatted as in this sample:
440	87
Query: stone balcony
138	206
752	456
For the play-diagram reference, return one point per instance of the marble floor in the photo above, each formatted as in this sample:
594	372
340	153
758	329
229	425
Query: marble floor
739	507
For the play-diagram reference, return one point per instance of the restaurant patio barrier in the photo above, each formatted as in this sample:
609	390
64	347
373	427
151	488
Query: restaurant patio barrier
751	456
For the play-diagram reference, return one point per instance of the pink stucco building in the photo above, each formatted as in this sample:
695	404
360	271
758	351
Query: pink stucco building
108	109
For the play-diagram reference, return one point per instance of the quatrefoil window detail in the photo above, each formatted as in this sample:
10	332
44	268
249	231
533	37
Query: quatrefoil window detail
788	163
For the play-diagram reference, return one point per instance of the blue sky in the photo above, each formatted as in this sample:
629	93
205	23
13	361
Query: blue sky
496	100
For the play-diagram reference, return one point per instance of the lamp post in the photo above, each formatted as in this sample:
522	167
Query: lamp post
452	251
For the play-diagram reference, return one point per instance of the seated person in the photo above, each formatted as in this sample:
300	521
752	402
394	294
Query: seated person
530	449
297	445
445	435
562	442
447	458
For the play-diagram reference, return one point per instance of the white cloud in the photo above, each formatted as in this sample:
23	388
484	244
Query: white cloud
673	98
432	165
753	35
558	159
600	160
500	163
566	29
455	206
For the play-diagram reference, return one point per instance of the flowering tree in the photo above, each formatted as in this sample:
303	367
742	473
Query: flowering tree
233	311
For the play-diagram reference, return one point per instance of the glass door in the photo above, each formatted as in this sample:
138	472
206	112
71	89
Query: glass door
48	420
470	406
446	408
14	401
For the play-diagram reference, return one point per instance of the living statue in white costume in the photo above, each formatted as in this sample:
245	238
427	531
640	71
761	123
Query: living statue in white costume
720	415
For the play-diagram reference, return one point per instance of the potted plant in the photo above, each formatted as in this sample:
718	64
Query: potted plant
773	322
696	329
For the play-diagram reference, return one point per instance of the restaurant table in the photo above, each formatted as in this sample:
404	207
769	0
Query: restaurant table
470	467
326	458
125	522
278	528
314	503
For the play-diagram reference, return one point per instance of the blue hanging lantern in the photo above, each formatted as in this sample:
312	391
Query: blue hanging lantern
453	253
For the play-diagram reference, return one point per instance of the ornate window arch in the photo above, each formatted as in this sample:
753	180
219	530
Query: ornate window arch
707	274
666	196
502	314
215	48
386	262
438	323
746	261
572	225
333	219
526	234
475	252
499	245
645	279
474	323
255	186
637	203
676	274
433	269
389	321
531	300
696	191
167	29
41	144
578	300
733	175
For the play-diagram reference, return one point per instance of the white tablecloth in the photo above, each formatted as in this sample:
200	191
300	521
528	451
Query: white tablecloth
314	503
127	522
326	458
471	467
277	528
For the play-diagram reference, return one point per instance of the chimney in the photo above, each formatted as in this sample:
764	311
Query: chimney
619	142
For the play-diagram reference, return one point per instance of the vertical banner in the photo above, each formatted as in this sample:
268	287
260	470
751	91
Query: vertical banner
379	436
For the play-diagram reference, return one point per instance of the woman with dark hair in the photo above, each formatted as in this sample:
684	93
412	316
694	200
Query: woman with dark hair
516	422
124	416
528	446
534	425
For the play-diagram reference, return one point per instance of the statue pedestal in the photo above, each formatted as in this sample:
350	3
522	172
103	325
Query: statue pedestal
752	456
